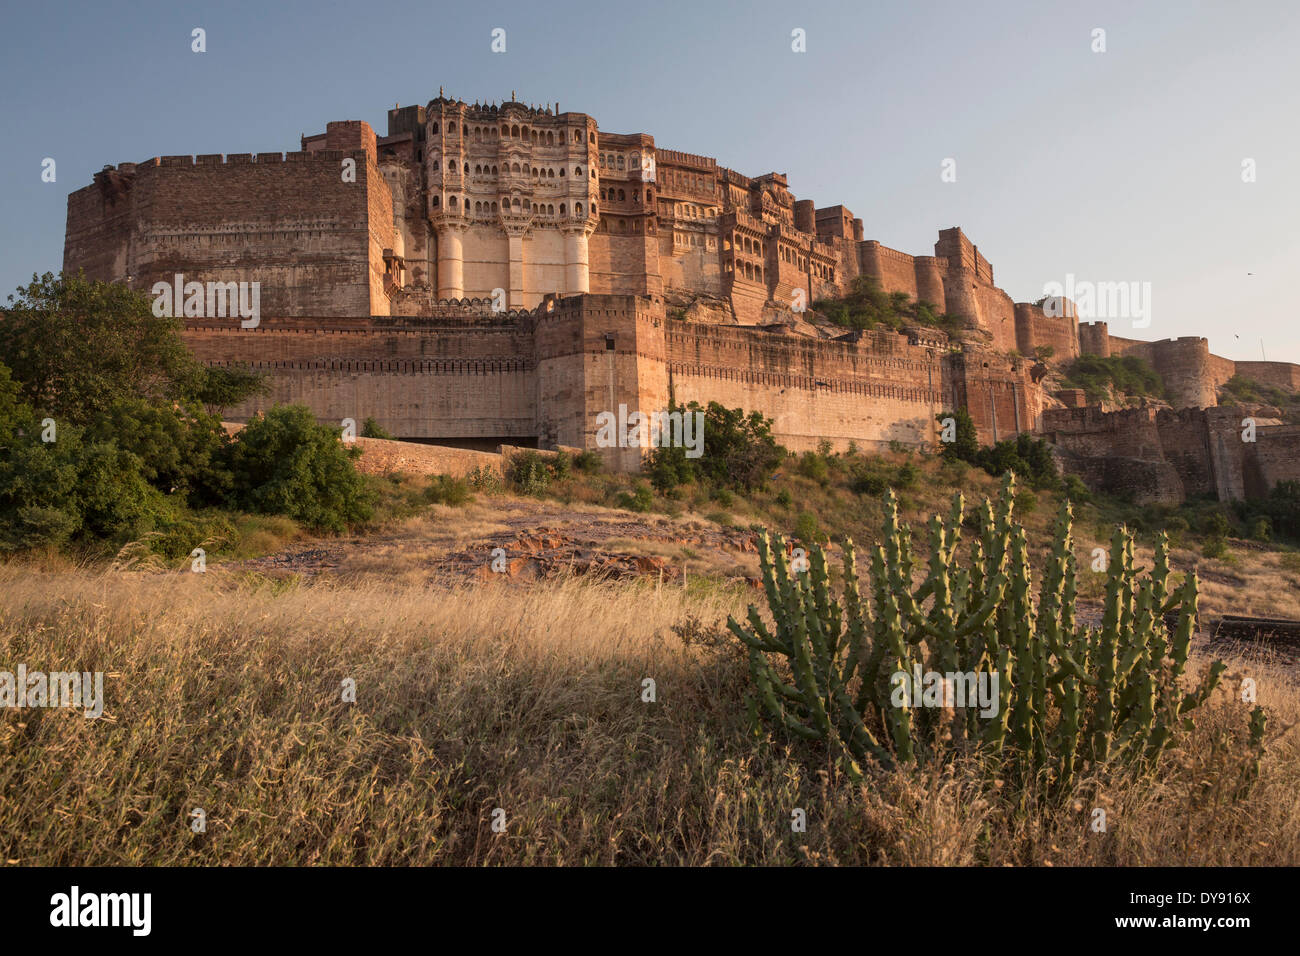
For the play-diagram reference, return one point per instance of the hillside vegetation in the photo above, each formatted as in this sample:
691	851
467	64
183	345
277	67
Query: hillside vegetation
868	306
1118	378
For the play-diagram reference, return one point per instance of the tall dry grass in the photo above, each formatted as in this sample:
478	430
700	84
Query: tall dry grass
225	695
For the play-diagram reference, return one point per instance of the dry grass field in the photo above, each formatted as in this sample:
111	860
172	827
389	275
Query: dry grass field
224	693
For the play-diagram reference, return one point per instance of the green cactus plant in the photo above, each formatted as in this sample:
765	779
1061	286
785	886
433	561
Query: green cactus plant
1068	695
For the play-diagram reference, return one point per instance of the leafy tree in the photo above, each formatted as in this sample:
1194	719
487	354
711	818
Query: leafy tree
283	462
225	386
178	446
1029	457
75	347
738	451
965	445
52	492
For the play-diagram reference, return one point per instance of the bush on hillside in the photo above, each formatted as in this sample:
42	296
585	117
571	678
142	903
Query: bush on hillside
285	463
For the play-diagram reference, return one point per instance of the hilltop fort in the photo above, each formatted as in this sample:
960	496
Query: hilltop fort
504	273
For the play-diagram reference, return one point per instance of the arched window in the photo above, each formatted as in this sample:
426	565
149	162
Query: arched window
634	161
620	160
451	165
435	129
494	171
550	174
451	127
591	138
494	207
561	209
514	203
452	202
550	210
577	208
602	160
515	168
478	134
622	196
593	209
577	170
467	169
505	130
550	139
561	170
435	202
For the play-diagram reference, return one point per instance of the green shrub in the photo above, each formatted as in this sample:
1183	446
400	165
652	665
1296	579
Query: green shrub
813	465
561	465
640	500
1216	546
528	473
867	482
807	528
738	451
1215	524
1176	527
784	498
907	475
70	488
588	461
372	429
446	490
958	438
179	446
485	479
285	463
1076	490
1281	507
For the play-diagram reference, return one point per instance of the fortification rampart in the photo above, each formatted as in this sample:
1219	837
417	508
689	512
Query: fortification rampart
1203	448
545	377
286	221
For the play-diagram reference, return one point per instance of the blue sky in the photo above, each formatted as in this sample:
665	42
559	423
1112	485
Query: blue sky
1115	166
